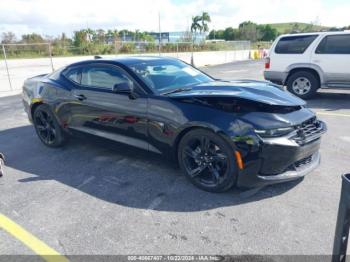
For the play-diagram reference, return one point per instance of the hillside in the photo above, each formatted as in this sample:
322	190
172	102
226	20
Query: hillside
283	28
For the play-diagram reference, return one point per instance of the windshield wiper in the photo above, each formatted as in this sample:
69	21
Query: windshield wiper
176	90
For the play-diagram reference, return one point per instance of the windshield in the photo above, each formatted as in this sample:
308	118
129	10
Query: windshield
164	75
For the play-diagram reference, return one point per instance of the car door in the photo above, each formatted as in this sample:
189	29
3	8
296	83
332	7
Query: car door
333	56
101	111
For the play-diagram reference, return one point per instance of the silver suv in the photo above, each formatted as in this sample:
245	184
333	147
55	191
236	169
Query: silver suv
306	62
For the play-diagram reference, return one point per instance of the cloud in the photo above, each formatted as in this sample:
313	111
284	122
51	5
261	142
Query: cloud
53	17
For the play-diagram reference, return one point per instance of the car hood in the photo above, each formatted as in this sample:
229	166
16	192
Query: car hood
259	91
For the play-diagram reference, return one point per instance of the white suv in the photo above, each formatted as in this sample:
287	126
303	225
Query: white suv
307	62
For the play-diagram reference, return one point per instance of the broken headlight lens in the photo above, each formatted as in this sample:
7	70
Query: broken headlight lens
276	132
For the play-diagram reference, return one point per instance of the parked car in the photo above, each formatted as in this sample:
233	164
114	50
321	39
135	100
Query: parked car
306	62
222	133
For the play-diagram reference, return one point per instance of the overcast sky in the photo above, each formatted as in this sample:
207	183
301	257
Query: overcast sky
50	17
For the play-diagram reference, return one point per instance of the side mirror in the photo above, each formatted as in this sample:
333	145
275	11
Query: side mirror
123	87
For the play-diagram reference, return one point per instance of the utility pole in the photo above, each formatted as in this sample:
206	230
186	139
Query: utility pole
50	54
160	35
7	67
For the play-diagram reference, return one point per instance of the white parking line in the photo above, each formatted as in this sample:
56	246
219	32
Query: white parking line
345	138
159	199
153	205
156	202
86	181
236	71
331	114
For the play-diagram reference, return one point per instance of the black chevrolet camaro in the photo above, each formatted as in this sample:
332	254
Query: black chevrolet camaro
222	133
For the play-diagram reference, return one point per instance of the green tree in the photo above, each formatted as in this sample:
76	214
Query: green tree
8	38
112	34
80	38
205	19
32	38
60	44
248	31
200	23
126	33
144	36
212	34
230	34
99	36
266	33
196	24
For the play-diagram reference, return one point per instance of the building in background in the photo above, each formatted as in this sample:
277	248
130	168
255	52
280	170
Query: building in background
165	36
182	36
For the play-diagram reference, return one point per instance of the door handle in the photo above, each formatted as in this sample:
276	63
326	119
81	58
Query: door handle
316	61
80	97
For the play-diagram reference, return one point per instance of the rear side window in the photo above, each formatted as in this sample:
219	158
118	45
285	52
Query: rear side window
73	74
334	44
102	77
294	44
56	74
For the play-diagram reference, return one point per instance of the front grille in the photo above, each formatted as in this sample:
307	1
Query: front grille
308	131
303	162
299	164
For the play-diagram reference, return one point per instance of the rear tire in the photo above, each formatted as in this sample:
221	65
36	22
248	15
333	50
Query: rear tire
303	84
47	127
207	160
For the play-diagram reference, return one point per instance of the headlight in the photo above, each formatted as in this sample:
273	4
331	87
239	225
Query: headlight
274	132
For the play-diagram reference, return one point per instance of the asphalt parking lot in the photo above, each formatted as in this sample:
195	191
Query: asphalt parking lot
103	198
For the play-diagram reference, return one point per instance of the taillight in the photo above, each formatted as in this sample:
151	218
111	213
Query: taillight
267	63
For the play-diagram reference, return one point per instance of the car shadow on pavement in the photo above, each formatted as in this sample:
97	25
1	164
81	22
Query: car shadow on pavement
118	174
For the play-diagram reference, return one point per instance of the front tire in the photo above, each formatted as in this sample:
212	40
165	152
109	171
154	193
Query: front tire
207	160
303	84
47	127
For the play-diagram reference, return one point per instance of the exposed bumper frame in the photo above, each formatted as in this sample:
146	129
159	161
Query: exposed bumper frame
253	174
294	174
251	178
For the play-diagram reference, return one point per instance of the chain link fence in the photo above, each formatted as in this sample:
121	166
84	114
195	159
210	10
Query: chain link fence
262	44
21	61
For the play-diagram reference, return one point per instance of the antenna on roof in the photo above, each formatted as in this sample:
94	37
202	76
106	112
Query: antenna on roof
97	57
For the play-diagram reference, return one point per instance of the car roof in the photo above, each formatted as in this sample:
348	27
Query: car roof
125	60
318	33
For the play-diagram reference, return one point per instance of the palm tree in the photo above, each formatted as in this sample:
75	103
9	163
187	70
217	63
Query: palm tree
196	26
200	23
205	19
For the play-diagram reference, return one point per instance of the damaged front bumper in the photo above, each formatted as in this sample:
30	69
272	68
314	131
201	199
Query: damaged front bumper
308	165
283	159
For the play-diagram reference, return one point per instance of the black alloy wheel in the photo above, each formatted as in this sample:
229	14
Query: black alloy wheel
47	127
207	160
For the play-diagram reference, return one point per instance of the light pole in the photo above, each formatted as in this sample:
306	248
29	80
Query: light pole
160	35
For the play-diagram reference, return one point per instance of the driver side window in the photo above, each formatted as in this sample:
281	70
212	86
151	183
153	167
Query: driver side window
103	77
